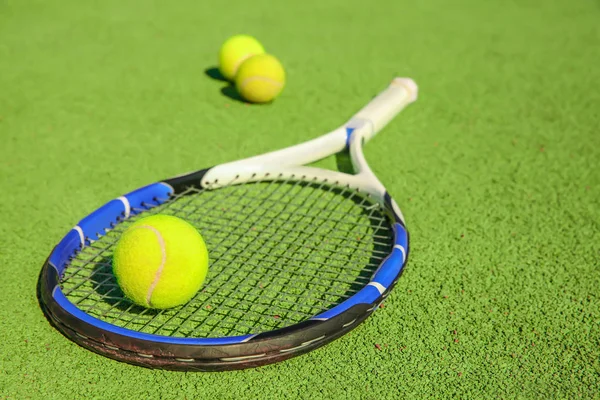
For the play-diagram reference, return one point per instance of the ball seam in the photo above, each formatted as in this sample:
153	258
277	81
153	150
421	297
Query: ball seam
260	78
239	63
161	243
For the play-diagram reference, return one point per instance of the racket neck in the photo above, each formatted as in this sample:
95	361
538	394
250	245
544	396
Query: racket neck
364	174
300	154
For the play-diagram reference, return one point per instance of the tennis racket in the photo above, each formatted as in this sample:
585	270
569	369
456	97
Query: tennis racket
299	256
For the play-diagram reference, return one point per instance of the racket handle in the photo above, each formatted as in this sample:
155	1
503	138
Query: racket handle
385	106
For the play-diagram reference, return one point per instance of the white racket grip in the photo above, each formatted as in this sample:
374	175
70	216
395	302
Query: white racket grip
384	107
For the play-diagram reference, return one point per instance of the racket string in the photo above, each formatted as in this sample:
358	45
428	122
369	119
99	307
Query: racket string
317	301
218	198
302	258
189	199
204	205
291	208
220	273
215	222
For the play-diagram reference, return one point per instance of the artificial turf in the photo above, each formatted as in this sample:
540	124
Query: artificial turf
496	168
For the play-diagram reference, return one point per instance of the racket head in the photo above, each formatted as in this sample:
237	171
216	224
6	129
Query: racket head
299	257
296	261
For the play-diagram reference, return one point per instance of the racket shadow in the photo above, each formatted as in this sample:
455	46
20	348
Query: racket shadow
344	162
229	90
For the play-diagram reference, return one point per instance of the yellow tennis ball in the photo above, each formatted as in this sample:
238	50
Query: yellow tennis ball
260	78
160	262
235	51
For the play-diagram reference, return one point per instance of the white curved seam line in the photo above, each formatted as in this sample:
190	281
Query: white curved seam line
260	78
81	236
242	59
402	250
163	261
126	204
377	286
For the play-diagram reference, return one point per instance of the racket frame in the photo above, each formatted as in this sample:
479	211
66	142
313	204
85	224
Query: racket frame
236	352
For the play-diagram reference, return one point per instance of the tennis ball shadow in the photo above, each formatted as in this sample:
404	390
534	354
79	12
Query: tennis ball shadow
105	284
229	90
214	73
233	94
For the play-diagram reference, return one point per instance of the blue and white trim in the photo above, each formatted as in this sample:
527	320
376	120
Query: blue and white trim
103	219
382	279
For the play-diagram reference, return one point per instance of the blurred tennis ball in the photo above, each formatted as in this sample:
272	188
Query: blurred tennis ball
235	51
260	78
160	262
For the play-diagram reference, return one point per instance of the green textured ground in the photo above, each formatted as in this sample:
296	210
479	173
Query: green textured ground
496	167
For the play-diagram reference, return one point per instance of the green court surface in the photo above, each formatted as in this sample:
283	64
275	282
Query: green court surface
496	168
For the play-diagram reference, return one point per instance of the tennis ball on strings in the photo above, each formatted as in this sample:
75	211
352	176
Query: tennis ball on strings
235	51
260	78
160	262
